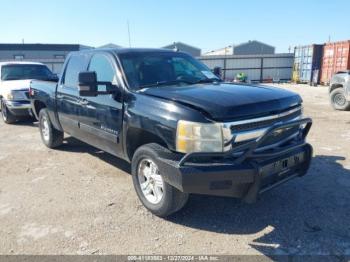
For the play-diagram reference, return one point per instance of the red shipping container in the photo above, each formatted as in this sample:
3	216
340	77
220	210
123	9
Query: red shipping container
336	57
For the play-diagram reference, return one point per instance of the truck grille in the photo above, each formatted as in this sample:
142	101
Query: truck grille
248	130
265	123
274	138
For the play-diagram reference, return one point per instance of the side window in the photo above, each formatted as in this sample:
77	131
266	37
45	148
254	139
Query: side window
104	69
76	64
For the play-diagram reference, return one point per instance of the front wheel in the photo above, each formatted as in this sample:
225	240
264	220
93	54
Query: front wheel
7	116
338	99
50	136
155	194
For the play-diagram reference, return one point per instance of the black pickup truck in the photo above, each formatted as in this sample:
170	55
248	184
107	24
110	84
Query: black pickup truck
182	129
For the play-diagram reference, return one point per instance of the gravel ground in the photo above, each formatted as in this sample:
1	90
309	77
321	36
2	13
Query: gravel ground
79	200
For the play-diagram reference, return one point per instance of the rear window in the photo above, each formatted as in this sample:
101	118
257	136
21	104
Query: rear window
25	71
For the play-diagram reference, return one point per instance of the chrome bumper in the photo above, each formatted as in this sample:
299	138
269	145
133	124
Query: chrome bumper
251	149
242	136
25	105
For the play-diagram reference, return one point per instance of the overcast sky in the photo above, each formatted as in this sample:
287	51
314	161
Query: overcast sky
205	24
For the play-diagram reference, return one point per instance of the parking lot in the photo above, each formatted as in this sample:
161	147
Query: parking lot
79	200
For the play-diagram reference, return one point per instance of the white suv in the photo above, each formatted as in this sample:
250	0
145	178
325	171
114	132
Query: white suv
14	87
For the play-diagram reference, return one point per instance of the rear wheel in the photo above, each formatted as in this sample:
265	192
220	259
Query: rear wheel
7	116
338	99
155	194
50	136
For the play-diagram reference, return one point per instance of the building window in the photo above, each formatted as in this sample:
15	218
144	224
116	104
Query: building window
59	56
18	57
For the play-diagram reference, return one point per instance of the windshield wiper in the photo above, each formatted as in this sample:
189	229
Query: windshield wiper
207	80
162	83
11	78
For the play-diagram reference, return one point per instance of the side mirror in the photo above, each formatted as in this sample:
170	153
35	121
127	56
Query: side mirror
54	78
87	84
217	71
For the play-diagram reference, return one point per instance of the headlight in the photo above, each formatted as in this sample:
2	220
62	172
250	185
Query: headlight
16	95
9	96
198	137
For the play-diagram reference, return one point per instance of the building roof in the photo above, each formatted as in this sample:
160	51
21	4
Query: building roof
42	47
232	48
227	49
110	45
180	43
253	41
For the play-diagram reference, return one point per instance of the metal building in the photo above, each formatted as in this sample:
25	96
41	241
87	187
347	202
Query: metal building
228	50
110	45
258	68
53	55
248	48
194	51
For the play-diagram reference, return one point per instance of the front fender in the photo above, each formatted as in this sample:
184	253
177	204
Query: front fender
156	116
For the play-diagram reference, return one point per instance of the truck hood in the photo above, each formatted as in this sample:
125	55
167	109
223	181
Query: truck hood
11	85
227	102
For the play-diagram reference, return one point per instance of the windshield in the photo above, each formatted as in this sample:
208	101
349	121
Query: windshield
25	71
147	69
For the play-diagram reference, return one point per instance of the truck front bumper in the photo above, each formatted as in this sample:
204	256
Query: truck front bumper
19	108
245	175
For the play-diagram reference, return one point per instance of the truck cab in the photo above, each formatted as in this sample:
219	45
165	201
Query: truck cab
14	85
183	130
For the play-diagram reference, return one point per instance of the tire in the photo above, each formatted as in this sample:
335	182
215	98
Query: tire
338	100
31	117
50	136
7	116
171	199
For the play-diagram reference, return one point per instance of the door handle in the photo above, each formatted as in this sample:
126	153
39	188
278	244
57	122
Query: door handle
59	95
83	102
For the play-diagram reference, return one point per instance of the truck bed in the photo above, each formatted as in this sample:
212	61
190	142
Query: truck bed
44	92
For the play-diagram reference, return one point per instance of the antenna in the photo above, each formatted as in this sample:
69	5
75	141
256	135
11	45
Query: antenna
129	32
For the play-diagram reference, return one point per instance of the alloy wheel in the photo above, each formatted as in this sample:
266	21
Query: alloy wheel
151	182
45	129
339	99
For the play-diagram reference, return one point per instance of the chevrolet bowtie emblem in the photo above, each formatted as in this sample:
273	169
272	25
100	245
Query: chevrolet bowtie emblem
278	132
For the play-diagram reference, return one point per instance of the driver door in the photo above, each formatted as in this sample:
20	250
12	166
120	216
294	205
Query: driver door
101	116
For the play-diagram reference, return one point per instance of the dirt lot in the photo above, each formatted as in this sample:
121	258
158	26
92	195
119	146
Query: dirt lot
78	200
